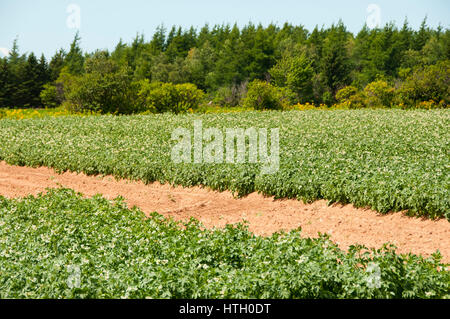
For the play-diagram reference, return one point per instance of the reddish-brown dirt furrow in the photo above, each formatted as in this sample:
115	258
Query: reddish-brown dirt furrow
346	224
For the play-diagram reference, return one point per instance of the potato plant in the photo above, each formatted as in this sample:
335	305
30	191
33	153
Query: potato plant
62	245
387	160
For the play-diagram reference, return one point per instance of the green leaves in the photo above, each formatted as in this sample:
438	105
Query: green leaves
388	160
62	245
161	97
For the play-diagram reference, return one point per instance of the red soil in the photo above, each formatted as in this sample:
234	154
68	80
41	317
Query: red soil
346	224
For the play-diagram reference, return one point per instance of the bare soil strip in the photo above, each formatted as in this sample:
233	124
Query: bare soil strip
346	224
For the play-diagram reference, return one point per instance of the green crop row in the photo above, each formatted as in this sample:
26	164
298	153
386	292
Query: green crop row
62	245
388	160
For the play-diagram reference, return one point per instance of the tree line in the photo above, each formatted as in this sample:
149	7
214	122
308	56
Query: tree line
313	66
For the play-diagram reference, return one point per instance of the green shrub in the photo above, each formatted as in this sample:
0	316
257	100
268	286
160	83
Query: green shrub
159	97
104	88
295	73
230	96
346	93
327	98
49	96
63	85
378	94
350	97
188	97
225	97
262	95
428	84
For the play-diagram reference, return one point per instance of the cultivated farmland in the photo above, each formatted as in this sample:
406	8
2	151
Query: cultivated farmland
388	160
61	245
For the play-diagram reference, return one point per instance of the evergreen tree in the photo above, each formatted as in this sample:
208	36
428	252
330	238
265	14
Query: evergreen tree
335	61
31	86
405	36
421	37
204	36
5	85
14	57
158	42
43	71
119	52
222	59
56	64
74	59
16	65
228	68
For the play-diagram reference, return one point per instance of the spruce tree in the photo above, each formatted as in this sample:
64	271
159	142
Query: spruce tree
56	64
5	85
335	62
74	59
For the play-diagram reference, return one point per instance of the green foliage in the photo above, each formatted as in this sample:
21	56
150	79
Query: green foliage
230	96
63	84
62	245
346	93
199	65
104	87
385	159
313	65
32	86
335	62
74	59
295	73
5	77
49	96
56	64
350	97
430	83
161	97
21	79
262	95
163	70
328	98
188	97
378	94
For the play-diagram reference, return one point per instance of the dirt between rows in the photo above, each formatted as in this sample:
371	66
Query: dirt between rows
346	224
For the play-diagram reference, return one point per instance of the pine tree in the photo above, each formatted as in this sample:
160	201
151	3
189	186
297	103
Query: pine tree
119	52
204	36
44	75
56	64
158	42
405	36
421	37
74	59
230	62
31	86
14	57
5	85
16	65
335	62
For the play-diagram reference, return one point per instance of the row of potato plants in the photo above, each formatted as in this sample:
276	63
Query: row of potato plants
388	160
63	245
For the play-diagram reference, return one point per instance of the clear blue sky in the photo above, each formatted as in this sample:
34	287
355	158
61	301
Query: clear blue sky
41	25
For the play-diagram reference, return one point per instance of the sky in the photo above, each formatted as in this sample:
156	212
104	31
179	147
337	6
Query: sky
44	26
